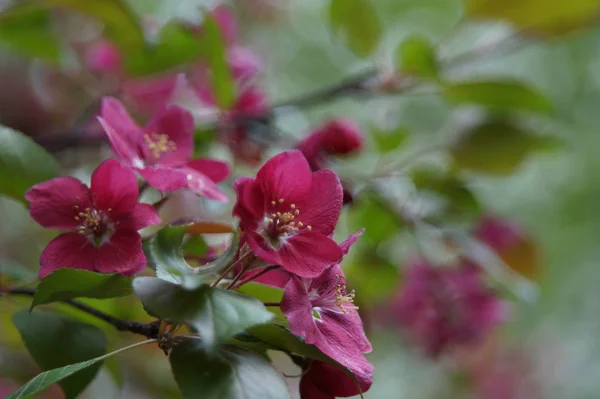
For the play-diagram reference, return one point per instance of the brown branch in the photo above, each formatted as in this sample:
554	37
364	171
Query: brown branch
149	330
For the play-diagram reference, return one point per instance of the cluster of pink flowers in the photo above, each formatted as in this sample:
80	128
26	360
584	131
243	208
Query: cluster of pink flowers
288	214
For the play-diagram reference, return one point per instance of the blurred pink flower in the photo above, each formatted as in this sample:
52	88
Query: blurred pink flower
102	221
103	57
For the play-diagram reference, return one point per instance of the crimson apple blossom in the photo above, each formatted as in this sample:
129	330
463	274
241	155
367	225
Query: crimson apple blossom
287	214
161	151
101	221
324	381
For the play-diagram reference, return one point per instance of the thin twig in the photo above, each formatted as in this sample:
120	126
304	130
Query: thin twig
149	330
230	268
254	277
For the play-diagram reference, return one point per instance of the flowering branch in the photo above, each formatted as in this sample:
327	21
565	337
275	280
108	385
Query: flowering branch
149	330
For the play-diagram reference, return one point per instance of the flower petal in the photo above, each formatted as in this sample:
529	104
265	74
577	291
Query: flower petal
322	206
123	133
297	308
348	242
286	176
170	179
122	254
249	206
67	250
324	381
217	171
309	253
177	125
143	215
114	189
55	203
262	248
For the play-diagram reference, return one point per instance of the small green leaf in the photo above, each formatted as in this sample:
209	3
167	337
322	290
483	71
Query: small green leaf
373	214
497	148
416	56
234	373
374	278
66	283
56	341
23	163
503	96
215	313
195	245
44	380
264	293
389	141
356	22
30	34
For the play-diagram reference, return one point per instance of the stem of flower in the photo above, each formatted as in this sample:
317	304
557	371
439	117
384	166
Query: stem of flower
273	304
254	277
230	268
149	330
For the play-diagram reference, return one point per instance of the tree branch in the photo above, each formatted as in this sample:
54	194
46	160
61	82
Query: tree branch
149	330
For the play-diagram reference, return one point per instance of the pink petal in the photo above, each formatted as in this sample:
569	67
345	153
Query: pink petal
123	133
262	248
244	63
286	176
150	93
309	253
322	206
297	308
103	57
178	125
122	254
275	278
217	171
55	203
227	23
171	179
348	242
324	381
71	250
341	136
143	215
250	201
114	189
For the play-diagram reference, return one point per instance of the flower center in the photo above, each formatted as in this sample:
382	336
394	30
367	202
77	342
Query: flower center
344	300
159	144
92	221
283	221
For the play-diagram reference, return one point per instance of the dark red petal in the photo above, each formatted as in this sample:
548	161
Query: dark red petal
352	325
71	250
274	278
297	308
309	253
122	254
286	176
262	248
322	206
348	242
55	203
178	125
123	133
217	171
341	136
143	215
329	382
170	179
249	206
114	189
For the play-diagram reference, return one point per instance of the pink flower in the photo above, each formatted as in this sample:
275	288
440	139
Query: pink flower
320	310
444	307
336	137
161	151
288	213
498	233
324	381
103	57
102	221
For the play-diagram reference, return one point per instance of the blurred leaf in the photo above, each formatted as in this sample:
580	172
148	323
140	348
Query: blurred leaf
523	257
357	23
56	341
458	196
507	95
66	283
264	293
544	16
373	214
23	163
375	279
195	245
389	141
48	378
234	373
176	45
497	148
209	227
416	56
215	313
30	34
15	272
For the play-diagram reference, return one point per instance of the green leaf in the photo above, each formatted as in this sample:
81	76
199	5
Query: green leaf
195	245
165	252
234	373
374	278
51	377
66	283
176	45
497	148
214	52
356	22
506	95
416	56
23	163
389	141
373	214
30	34
215	313
56	341
537	16
264	293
